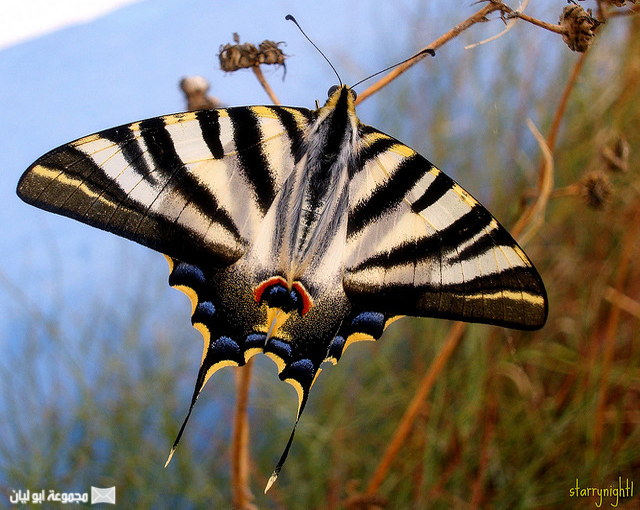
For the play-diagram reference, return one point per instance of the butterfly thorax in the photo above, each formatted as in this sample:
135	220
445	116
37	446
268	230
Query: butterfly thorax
309	213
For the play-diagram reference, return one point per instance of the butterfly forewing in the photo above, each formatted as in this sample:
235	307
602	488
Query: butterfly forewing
194	185
418	244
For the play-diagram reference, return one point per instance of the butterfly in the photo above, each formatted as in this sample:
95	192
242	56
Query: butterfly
293	232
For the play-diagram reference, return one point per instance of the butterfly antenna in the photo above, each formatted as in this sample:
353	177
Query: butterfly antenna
289	17
420	53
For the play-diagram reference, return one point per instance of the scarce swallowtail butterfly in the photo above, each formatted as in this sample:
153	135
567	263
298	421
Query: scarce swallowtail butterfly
293	232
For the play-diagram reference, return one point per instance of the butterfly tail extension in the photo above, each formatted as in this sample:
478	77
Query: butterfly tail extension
301	375
283	458
196	393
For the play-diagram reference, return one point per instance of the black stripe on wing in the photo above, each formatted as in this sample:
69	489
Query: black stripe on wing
70	181
123	137
388	195
81	191
293	129
253	160
452	301
209	123
442	241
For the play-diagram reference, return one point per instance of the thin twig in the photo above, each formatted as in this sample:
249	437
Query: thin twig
242	496
510	24
415	406
478	17
533	218
564	101
539	23
265	85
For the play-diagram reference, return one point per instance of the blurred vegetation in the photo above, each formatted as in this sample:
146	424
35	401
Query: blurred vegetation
512	421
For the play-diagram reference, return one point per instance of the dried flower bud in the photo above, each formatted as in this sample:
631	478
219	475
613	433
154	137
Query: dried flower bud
616	154
579	26
241	56
270	53
195	89
596	190
238	56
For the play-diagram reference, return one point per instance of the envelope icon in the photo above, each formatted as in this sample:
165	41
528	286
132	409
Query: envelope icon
107	495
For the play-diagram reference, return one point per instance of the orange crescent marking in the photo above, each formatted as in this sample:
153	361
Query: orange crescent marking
259	290
307	301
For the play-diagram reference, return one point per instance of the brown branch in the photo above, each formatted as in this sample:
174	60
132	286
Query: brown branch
622	301
543	24
265	84
242	496
562	107
455	333
478	17
415	406
612	329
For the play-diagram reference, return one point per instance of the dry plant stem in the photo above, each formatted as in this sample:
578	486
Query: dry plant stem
543	24
610	334
533	218
265	85
562	107
622	301
509	25
415	406
534	208
242	495
461	27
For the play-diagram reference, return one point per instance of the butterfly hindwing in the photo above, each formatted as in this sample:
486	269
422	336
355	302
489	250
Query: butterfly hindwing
194	185
418	244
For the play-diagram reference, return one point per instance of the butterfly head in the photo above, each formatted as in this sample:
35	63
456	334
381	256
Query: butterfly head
339	88
341	96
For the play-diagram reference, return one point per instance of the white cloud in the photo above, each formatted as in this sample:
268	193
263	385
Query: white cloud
25	19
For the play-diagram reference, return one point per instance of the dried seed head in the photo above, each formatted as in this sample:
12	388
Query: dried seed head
596	190
242	56
195	89
238	56
579	27
270	53
616	155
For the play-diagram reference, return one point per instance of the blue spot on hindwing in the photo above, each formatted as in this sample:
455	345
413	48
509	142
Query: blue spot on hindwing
204	312
336	347
255	340
302	371
224	348
276	296
371	323
279	348
186	274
